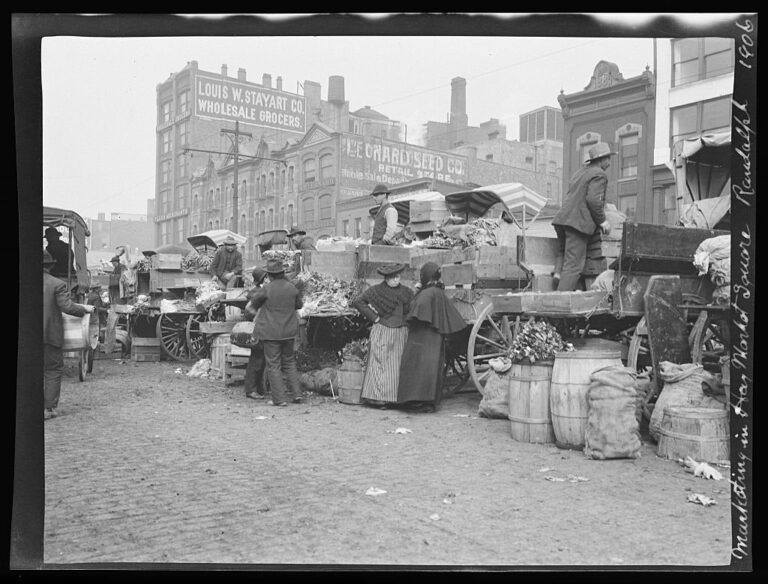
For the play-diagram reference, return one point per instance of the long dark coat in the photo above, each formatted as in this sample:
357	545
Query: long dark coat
55	301
584	206
277	320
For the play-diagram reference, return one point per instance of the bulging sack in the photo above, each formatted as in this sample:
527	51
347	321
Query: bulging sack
242	335
612	429
495	402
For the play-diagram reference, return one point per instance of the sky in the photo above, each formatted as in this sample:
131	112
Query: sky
99	94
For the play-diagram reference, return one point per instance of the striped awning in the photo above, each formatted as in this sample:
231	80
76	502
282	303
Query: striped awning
403	204
513	200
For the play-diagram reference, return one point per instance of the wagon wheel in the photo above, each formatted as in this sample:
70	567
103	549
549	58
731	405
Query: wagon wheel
90	359
455	373
638	358
491	337
198	344
82	365
172	332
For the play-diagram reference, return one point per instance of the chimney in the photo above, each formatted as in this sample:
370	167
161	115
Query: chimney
241	74
223	70
336	89
459	102
279	83
266	80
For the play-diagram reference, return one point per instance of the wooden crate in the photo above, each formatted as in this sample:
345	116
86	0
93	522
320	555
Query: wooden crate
567	303
166	261
367	270
338	264
428	211
145	349
234	368
660	242
216	327
383	253
424	255
464	274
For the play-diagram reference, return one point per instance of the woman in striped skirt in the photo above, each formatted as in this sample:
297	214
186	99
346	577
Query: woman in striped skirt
386	305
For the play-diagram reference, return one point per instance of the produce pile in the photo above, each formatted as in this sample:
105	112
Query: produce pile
286	256
480	231
358	348
439	239
197	262
167	306
208	294
537	341
143	264
325	294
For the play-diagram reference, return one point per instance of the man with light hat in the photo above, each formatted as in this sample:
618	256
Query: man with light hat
300	240
227	263
582	214
385	220
55	301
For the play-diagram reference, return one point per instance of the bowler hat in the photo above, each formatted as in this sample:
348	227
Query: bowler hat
380	189
296	231
390	269
52	231
599	150
47	258
274	267
229	241
258	275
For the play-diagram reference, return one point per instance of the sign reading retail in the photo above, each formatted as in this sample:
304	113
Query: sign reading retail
227	99
367	159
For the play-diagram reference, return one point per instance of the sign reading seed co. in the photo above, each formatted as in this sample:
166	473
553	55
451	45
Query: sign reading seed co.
226	99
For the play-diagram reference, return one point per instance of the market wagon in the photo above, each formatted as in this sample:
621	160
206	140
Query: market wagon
81	334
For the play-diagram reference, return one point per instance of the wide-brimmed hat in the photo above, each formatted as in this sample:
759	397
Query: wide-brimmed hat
390	269
274	267
258	275
429	271
599	150
47	258
52	231
380	189
229	241
296	231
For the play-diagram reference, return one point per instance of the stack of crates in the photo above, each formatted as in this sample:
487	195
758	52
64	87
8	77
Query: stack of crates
145	349
235	363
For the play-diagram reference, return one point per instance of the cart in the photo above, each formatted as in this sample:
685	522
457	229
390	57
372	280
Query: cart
77	280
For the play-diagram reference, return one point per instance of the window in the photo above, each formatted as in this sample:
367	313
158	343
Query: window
243	190
165	172
211	201
180	229
309	211
195	206
166	137
164	233
183	131
698	118
165	202
540	121
628	151
282	217
184	102
263	185
358	227
489	157
289	218
282	180
290	178
701	58
180	197
182	165
309	170
326	166
216	224
345	227
325	204
262	220
271	219
529	159
210	225
165	112
272	181
217	200
243	225
627	205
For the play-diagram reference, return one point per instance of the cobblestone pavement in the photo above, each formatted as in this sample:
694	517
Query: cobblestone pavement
146	465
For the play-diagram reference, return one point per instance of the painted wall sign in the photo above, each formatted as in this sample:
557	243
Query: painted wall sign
366	160
227	99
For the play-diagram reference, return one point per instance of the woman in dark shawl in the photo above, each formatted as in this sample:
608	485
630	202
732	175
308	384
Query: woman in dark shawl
386	305
431	318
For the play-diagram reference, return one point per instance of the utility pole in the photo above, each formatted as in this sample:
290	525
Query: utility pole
236	142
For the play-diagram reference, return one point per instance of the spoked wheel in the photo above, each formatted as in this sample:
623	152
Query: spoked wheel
82	366
198	344
90	358
172	332
638	358
491	337
455	370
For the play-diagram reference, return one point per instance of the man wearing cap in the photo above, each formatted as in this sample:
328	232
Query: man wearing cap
277	325
385	220
254	371
227	263
55	301
300	240
582	213
63	257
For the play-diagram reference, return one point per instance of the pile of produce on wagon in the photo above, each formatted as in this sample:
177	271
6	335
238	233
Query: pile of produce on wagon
480	231
208	294
537	341
326	294
143	264
167	306
440	239
358	348
286	256
196	261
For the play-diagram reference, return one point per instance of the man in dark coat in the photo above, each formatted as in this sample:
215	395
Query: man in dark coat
582	213
278	326
227	264
300	240
63	257
55	301
254	371
385	220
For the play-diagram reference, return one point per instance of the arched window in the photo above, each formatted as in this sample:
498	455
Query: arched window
290	178
210	198
217	202
216	224
194	228
262	221
195	202
282	218
272	181
309	170
243	190
308	206
210	225
257	186
271	219
243	225
326	166
263	184
289	218
282	180
325	204
226	222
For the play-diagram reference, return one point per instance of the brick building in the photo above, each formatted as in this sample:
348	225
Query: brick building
132	230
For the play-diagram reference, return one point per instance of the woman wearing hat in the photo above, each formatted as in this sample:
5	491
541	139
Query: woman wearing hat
278	326
582	213
227	263
386	305
300	240
431	318
385	220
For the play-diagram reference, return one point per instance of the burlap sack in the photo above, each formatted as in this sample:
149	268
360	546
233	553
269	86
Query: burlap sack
612	426
495	402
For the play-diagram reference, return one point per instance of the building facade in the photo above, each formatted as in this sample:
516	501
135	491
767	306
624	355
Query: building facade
695	80
132	230
620	112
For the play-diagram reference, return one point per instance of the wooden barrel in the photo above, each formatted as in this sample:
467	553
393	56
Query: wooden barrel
701	433
220	346
568	392
529	414
349	381
80	332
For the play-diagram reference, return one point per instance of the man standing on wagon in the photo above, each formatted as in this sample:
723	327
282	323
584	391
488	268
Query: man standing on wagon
385	220
582	213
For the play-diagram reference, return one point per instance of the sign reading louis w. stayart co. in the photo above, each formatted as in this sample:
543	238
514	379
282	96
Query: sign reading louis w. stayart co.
226	99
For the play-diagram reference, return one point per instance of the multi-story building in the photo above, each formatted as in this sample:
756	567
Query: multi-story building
132	230
620	112
694	88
